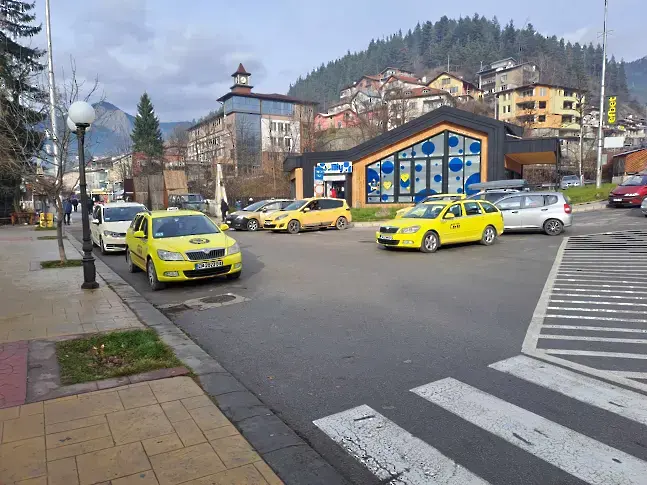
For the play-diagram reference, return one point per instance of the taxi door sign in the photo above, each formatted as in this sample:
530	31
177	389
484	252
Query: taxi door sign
612	102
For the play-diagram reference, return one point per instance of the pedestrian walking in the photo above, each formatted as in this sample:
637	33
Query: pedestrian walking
67	209
75	203
224	208
333	193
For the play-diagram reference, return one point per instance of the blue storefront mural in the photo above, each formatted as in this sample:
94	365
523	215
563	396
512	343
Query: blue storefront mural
446	163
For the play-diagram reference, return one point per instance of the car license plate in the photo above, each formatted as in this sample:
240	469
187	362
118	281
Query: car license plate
384	236
210	264
617	200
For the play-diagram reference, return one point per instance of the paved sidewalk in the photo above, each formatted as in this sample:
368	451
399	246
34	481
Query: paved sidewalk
164	432
38	303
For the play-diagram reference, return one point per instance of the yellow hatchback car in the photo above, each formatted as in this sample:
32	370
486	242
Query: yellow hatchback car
313	213
180	245
429	225
431	198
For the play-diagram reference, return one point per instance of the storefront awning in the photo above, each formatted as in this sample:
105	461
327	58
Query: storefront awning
533	151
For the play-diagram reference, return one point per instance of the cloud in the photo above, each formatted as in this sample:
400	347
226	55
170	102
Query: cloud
184	69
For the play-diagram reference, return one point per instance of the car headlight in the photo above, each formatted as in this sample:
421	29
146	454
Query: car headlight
409	230
169	255
282	216
111	234
240	218
233	249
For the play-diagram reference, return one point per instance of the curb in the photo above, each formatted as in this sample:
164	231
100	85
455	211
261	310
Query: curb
293	460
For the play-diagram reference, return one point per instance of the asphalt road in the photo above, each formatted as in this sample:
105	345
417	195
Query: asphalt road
332	322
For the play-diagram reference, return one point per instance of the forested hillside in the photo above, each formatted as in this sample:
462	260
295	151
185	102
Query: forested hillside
637	78
468	42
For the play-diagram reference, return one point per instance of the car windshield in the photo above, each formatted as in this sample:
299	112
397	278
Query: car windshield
194	198
570	177
425	211
255	206
296	205
177	226
636	180
119	214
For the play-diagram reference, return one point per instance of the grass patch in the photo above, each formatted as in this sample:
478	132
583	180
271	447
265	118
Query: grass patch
369	214
589	193
40	228
114	354
56	263
48	238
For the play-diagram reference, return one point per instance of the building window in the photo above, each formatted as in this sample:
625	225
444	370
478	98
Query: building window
542	104
504	87
504	77
542	118
543	92
339	124
447	162
453	90
445	81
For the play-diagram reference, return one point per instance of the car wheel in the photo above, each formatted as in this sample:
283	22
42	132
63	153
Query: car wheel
252	225
131	266
151	272
430	243
294	226
489	236
234	276
553	227
342	223
103	247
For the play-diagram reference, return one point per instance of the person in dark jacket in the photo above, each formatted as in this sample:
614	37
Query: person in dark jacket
224	208
75	203
67	209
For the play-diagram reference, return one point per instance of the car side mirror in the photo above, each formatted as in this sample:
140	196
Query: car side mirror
224	227
139	234
450	215
307	209
95	221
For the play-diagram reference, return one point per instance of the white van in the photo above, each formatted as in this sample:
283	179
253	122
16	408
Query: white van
110	223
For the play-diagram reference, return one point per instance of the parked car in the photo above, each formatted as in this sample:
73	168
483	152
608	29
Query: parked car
313	213
643	206
110	222
497	189
430	198
187	202
631	192
252	218
569	181
177	245
432	224
550	212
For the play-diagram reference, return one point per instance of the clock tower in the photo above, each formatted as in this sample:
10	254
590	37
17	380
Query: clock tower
241	81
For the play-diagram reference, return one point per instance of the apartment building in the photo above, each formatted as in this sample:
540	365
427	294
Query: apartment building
250	128
456	86
507	74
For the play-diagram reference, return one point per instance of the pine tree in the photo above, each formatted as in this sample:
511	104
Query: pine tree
146	135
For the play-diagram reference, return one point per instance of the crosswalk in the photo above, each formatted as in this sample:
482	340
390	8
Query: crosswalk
395	456
592	314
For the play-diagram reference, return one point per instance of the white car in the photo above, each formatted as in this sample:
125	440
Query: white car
110	223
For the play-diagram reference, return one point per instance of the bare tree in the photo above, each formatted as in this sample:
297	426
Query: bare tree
29	159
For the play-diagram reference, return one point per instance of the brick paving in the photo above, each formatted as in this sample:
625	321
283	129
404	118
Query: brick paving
13	373
165	432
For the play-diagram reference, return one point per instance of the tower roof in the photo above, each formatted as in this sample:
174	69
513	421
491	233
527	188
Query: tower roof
241	70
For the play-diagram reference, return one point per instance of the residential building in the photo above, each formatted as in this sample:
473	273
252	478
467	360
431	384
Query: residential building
250	129
456	86
507	74
627	163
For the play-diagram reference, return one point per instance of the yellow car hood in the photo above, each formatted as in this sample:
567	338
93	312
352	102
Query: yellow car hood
183	244
404	222
287	214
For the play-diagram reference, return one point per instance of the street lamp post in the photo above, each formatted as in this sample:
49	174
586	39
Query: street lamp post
80	116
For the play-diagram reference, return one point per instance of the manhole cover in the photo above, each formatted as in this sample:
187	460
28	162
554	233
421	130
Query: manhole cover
218	299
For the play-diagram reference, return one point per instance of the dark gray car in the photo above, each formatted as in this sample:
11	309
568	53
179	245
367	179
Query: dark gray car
549	212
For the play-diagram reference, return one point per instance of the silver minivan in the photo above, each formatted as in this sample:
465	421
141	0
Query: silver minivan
547	211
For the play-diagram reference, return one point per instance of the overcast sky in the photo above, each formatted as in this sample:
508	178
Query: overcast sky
183	52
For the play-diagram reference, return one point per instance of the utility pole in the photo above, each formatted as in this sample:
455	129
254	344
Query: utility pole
52	96
598	178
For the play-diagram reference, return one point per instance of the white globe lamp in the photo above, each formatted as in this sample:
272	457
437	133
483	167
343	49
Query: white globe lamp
81	113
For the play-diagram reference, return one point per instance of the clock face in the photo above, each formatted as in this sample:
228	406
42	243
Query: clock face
242	80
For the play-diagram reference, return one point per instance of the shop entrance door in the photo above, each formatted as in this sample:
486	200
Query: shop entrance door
336	182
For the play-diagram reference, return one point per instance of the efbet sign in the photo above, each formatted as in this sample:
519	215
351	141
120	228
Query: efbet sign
612	102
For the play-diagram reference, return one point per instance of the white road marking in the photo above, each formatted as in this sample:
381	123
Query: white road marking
619	303
606	319
590	283
616	297
390	452
602	278
630	375
628	404
586	338
596	329
575	453
604	271
593	310
583	290
596	353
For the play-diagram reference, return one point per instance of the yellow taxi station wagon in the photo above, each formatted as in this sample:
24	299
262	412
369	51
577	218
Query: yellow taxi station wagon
308	214
431	224
180	245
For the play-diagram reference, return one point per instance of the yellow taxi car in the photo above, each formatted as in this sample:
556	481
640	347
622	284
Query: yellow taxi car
313	213
431	224
180	245
430	198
